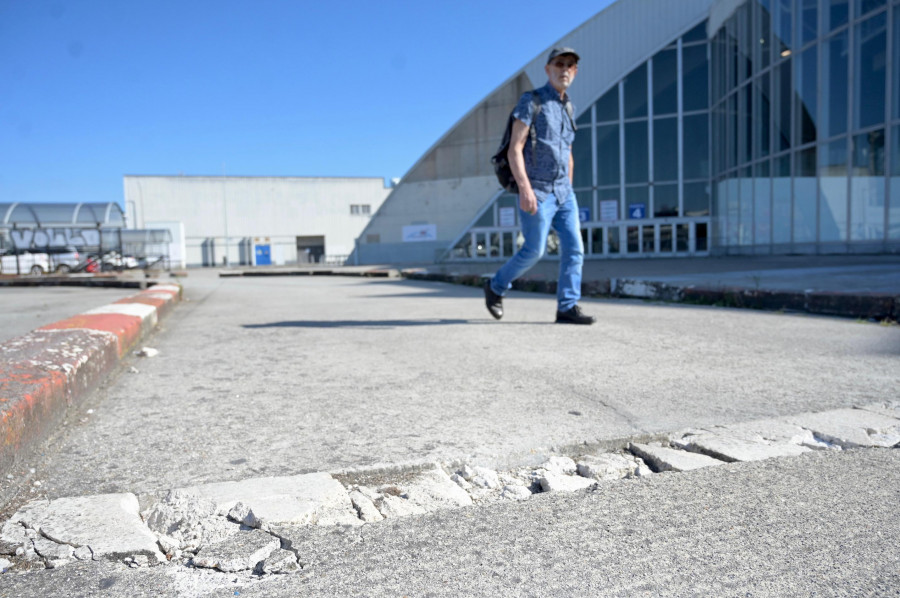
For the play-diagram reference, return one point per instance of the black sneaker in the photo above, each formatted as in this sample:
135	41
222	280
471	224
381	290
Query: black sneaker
573	316
493	301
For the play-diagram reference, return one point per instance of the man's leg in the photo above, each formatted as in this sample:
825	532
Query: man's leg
571	257
535	229
571	260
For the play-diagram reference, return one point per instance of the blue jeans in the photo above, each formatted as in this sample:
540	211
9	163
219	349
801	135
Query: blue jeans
563	217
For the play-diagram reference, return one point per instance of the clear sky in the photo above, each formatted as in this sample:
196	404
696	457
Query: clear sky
91	90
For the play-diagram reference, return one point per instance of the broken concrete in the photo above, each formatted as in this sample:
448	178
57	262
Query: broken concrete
556	482
239	552
609	466
731	449
185	520
280	561
515	492
667	459
365	507
434	490
851	428
771	431
109	524
481	477
559	465
314	498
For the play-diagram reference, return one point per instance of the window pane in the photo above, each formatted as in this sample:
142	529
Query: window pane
867	187
833	185
681	237
746	210
665	71
894	208
764	34
633	233
636	154
895	75
806	97
637	199
596	243
808	20
782	94
607	107
608	155
585	199
762	211
613	234
636	92
696	199
665	238
861	7
781	200
837	13
665	149
696	146
696	34
805	196
581	154
745	111
835	54
584	120
783	27
696	75
701	241
665	201
869	90
762	112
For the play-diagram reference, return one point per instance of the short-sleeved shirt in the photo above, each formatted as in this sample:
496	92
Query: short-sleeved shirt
548	168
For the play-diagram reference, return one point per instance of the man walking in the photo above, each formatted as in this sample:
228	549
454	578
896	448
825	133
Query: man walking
543	173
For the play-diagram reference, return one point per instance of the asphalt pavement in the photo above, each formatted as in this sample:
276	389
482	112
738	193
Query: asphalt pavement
287	375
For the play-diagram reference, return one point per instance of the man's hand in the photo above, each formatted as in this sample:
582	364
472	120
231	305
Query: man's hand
528	201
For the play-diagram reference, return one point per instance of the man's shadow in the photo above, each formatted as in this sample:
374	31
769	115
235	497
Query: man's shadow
360	323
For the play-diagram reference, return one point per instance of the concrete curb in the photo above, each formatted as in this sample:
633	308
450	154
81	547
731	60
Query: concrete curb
48	370
876	306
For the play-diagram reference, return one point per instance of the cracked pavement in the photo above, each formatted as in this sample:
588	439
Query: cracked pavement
379	378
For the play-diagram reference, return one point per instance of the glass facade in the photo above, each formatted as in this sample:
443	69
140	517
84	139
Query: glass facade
821	91
779	134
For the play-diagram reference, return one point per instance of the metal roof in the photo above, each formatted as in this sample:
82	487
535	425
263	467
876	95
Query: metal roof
72	215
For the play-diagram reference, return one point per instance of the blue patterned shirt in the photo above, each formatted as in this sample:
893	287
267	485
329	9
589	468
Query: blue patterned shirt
548	169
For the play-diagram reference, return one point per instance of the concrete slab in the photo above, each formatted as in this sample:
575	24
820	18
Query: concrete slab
314	498
558	482
851	428
433	490
109	524
608	466
731	448
667	459
771	431
239	552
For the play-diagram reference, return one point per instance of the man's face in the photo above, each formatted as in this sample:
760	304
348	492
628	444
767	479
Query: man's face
561	71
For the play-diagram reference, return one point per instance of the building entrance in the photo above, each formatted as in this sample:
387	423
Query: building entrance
310	250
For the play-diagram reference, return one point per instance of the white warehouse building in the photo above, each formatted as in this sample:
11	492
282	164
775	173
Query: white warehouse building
231	220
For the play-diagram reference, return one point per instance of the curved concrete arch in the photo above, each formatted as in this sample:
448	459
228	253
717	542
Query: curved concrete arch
454	179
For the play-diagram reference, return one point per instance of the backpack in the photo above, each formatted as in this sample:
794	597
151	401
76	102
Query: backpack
500	159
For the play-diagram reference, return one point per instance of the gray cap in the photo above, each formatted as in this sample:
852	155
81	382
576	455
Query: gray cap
564	50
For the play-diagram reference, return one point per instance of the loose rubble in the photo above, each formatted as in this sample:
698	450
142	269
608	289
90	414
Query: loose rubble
245	527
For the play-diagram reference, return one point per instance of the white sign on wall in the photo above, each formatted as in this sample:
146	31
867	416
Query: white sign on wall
609	210
419	232
507	217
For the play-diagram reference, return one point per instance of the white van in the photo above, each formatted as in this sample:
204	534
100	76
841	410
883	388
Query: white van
29	263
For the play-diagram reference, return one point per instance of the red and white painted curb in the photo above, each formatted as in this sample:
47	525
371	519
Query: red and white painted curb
49	369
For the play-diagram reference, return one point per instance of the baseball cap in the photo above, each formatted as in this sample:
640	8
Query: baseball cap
564	50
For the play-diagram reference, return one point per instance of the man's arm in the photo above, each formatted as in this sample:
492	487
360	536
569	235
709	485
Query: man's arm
571	167
518	137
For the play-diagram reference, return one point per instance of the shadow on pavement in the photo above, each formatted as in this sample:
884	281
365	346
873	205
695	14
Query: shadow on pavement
359	323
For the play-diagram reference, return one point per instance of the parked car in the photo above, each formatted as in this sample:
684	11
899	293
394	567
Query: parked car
28	263
65	259
116	261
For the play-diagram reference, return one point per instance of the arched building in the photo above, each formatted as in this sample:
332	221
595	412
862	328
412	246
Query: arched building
704	127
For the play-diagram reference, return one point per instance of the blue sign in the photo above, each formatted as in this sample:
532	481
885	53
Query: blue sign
584	214
636	211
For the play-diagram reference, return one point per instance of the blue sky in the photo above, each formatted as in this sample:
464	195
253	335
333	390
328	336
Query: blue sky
91	90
